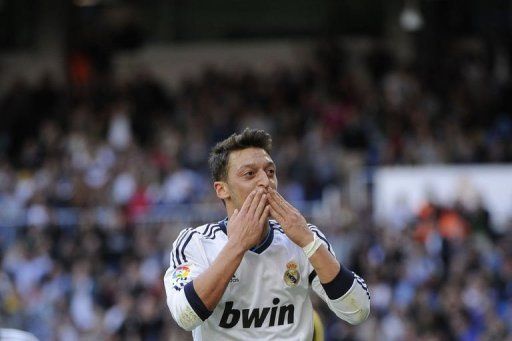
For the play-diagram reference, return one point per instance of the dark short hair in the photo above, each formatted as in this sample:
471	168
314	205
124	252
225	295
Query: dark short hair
219	156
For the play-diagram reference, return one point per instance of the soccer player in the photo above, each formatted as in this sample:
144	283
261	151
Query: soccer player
247	277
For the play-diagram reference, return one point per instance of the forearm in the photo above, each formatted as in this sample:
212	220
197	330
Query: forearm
334	277
325	264
212	283
352	303
345	293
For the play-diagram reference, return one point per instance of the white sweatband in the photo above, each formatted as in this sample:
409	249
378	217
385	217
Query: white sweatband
311	248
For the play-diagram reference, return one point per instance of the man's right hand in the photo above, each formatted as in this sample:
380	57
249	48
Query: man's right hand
245	226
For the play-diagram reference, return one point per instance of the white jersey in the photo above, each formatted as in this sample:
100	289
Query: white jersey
267	297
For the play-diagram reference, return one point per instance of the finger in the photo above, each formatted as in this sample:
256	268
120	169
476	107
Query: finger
276	215
279	198
255	200
264	215
276	204
235	213
261	205
283	203
248	201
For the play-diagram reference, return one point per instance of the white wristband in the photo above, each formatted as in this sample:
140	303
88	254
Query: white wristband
311	248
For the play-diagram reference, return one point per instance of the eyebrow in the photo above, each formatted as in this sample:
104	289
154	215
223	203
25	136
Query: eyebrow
253	165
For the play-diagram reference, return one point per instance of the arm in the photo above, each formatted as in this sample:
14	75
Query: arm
212	283
191	306
186	264
204	287
346	294
353	305
244	230
336	285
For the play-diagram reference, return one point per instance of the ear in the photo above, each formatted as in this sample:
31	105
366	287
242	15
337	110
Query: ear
222	190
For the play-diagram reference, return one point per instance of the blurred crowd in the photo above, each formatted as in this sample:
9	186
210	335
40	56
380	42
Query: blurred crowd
442	273
86	166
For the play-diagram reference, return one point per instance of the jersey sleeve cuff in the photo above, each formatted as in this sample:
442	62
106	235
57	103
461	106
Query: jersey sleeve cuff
195	302
340	285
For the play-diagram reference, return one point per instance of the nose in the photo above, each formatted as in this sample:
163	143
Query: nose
263	179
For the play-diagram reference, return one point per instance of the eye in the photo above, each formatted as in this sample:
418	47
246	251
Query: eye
271	171
249	173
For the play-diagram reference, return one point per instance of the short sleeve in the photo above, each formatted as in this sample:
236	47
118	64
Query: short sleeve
187	261
323	239
347	294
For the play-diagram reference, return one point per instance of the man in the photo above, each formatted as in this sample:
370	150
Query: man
247	276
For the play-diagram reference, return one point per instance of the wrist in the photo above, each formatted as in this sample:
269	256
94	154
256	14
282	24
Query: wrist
312	247
308	238
236	248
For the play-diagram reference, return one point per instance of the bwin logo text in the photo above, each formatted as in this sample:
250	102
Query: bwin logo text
257	317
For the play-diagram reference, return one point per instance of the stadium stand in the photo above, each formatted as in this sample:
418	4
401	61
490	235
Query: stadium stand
96	179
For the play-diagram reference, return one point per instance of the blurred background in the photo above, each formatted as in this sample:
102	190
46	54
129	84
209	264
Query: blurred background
392	132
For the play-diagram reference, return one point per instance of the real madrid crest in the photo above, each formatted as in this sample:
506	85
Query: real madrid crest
292	275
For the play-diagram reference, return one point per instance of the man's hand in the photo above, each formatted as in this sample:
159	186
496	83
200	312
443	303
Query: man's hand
293	223
245	226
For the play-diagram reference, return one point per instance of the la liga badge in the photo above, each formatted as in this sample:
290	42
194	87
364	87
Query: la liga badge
180	276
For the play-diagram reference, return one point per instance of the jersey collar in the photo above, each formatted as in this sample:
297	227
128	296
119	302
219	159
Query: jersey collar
258	248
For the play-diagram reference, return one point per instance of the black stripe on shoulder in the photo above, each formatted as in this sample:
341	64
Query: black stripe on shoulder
211	230
174	245
181	249
218	229
207	229
275	225
278	229
311	277
320	235
362	283
174	255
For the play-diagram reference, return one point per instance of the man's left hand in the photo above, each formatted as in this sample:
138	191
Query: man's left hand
292	222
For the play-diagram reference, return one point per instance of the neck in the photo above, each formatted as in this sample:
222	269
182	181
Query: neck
264	232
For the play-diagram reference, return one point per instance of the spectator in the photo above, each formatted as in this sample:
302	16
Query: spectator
87	187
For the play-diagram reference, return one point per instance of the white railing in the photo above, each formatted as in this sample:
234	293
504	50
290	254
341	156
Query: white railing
69	217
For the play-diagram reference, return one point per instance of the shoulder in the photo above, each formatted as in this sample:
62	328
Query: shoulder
188	242
206	231
314	228
274	225
279	232
277	227
321	236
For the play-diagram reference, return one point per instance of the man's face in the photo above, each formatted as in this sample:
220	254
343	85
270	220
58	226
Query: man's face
247	169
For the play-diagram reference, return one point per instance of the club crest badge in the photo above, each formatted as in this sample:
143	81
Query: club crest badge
291	275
